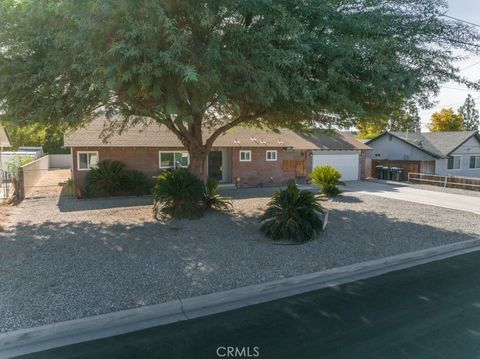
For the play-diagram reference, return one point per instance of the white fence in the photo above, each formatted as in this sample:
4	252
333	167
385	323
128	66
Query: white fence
60	161
470	183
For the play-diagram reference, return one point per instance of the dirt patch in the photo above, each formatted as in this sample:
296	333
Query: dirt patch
5	216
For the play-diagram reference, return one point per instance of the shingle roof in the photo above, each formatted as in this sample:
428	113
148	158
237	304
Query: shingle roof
437	144
334	140
446	142
4	140
160	136
418	140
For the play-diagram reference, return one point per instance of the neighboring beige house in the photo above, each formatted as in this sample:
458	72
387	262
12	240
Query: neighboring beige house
4	142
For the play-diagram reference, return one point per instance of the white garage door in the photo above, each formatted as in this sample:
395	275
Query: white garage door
347	164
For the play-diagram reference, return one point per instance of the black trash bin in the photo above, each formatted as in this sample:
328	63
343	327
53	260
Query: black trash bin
386	173
379	172
394	173
400	174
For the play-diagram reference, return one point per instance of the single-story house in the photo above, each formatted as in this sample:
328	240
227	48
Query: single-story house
341	151
441	153
245	156
4	142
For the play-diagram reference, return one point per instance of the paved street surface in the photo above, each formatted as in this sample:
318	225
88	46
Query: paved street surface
430	311
407	193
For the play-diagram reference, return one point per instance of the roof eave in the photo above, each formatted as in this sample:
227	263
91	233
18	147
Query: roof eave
476	134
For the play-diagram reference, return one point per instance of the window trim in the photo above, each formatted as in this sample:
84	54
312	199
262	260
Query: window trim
170	167
470	160
249	155
271	151
88	164
459	165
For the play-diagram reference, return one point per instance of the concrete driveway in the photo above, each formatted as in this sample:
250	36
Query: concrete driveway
408	193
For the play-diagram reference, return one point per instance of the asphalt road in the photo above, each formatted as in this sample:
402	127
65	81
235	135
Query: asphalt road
430	311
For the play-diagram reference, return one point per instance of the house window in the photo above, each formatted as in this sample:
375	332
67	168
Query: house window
454	162
87	160
475	161
245	156
271	155
172	159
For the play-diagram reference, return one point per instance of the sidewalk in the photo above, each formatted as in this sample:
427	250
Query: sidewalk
405	192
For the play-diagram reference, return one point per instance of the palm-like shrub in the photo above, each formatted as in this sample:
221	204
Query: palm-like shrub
327	178
136	182
179	194
105	179
212	198
293	215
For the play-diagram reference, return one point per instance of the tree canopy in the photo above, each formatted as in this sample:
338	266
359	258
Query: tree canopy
469	112
196	64
446	120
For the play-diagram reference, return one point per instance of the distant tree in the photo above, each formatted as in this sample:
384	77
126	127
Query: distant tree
469	112
446	120
405	118
202	67
50	138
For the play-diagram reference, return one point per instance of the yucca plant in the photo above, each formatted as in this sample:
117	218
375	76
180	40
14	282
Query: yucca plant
106	178
328	179
136	182
212	198
292	215
179	194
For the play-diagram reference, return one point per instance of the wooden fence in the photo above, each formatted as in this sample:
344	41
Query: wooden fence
407	166
468	183
297	166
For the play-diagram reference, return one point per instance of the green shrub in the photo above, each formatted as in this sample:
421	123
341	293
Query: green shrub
212	198
105	179
292	214
179	194
327	178
13	167
136	182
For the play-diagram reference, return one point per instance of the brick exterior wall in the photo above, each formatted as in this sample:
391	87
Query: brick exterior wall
257	172
260	172
145	159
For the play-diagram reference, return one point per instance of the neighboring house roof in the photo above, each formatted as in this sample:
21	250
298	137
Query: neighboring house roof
4	140
160	136
334	140
447	142
436	144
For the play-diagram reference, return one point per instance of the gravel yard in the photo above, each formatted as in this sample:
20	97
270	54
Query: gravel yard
68	258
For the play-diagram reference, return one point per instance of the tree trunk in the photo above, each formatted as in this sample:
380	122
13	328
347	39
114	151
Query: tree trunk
198	161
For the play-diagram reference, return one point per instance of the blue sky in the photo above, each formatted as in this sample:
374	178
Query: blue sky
468	10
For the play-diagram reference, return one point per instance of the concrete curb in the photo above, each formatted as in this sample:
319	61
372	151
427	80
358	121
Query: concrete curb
50	336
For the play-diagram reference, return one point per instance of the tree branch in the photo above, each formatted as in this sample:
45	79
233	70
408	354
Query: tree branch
240	119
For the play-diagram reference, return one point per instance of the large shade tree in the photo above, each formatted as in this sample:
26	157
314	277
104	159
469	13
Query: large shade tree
201	67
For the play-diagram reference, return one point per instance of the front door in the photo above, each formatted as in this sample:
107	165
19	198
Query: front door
215	165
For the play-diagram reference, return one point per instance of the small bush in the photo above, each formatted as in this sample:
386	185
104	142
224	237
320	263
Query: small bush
179	194
327	178
106	179
212	198
136	182
292	214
